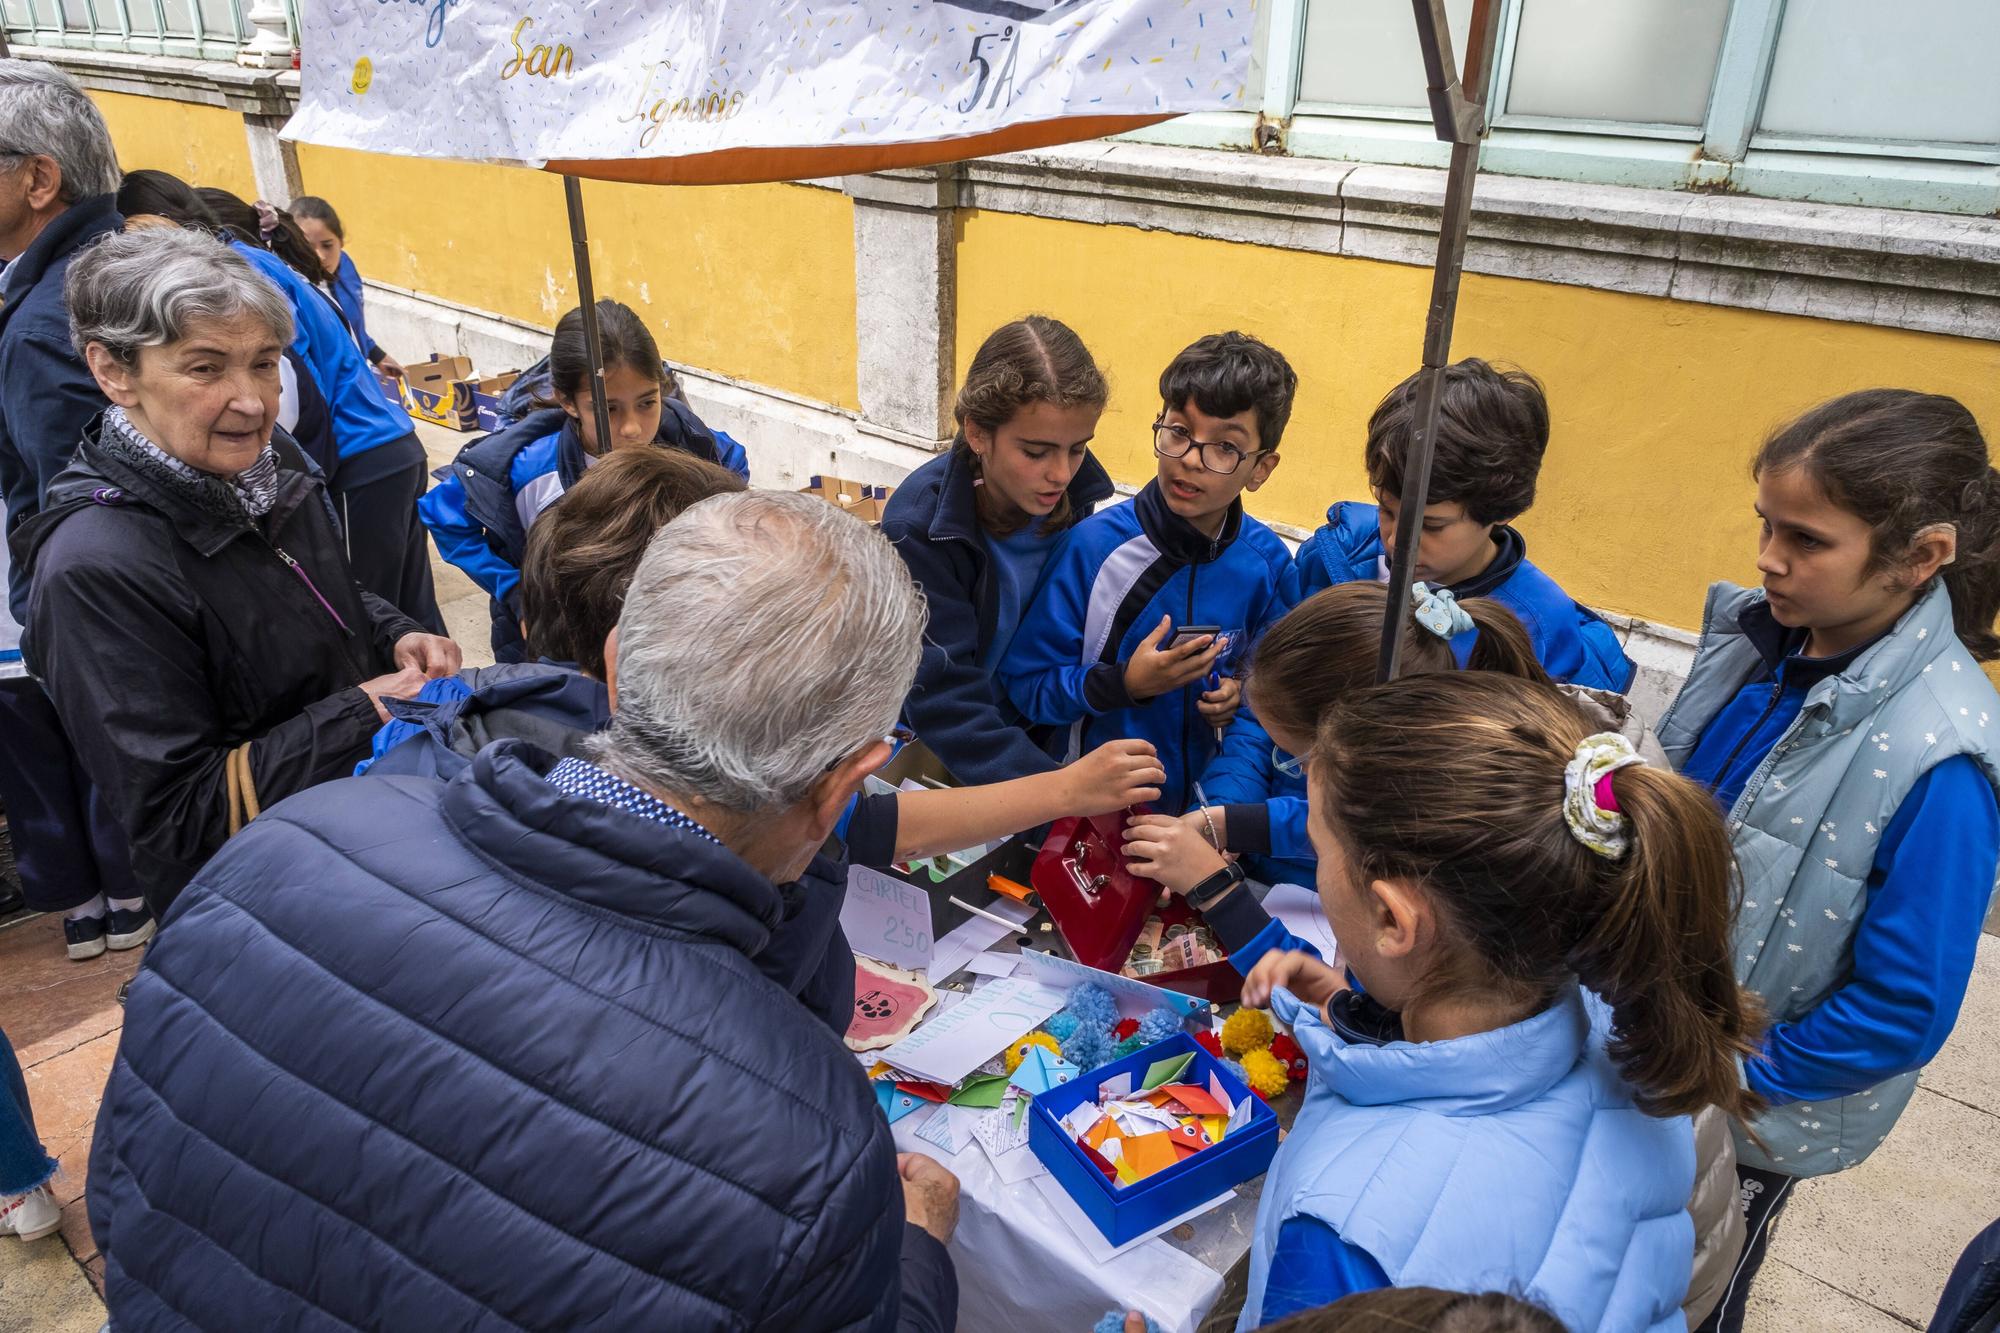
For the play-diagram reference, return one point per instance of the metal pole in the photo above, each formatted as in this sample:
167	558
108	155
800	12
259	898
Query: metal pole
593	344
1459	117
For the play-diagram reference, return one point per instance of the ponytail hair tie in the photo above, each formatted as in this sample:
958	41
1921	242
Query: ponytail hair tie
267	219
1439	612
1590	806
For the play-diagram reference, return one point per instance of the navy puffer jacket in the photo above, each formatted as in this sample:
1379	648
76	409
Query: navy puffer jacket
488	1056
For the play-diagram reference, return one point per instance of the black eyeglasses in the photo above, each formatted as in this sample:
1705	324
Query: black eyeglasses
1170	441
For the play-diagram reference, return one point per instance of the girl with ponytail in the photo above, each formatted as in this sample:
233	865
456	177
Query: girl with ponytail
977	524
1537	924
1839	717
1324	650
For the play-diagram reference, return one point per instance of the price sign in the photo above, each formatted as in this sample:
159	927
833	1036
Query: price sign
887	919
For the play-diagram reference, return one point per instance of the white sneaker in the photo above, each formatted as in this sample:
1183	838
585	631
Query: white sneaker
30	1216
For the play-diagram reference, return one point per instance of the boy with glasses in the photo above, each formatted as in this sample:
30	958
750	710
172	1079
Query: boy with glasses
1146	605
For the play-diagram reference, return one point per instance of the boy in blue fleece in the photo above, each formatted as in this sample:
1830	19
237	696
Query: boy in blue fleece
1493	429
1098	651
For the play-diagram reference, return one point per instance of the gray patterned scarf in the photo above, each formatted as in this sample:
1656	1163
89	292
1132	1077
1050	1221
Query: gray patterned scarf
249	494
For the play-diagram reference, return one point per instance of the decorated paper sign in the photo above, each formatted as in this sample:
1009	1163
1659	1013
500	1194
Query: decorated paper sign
887	1004
531	82
887	919
960	1039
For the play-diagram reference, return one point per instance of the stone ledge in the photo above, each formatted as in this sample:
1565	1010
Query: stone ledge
262	92
1932	272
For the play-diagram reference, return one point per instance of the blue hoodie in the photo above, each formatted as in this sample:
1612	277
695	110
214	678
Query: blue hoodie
362	418
1116	574
487	498
347	294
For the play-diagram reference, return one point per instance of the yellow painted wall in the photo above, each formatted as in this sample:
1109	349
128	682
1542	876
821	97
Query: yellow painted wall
1657	405
755	282
203	145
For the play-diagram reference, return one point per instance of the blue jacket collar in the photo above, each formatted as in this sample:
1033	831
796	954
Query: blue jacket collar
619	863
956	515
1476	1075
76	226
1356	537
1175	537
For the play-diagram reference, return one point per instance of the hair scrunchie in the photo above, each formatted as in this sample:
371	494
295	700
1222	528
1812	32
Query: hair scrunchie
267	219
1603	830
1439	612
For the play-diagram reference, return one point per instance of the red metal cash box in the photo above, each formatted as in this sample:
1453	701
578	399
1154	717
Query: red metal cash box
1100	906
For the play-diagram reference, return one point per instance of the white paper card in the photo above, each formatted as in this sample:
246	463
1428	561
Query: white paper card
1301	912
953	1044
994	964
950	1129
960	944
887	919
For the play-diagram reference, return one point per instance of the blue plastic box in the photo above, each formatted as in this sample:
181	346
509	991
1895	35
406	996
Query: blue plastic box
1126	1212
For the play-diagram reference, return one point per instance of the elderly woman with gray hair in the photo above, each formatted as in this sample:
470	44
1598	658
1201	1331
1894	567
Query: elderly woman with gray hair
190	610
549	1082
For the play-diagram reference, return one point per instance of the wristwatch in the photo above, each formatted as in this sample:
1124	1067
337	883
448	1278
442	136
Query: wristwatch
1213	889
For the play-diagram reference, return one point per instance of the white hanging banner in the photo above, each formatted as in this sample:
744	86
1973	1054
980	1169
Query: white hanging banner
536	83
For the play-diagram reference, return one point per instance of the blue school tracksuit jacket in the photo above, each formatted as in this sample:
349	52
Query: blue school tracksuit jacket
362	418
346	286
489	496
1106	588
1574	645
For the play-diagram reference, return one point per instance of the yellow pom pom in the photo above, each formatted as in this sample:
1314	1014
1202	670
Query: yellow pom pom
1246	1030
1266	1073
1019	1050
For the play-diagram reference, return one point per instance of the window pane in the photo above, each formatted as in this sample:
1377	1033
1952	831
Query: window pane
76	15
1862	69
1365	51
180	18
1646	61
218	18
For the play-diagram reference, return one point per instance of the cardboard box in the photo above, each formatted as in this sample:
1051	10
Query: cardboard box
1126	1212
431	392
864	501
485	395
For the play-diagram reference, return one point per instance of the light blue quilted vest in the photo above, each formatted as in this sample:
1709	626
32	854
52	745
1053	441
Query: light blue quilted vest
1807	824
1510	1160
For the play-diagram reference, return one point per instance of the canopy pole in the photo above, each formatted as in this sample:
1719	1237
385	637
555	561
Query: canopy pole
1459	117
587	297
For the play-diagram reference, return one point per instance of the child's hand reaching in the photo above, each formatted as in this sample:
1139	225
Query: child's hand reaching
1115	775
1170	851
1218	706
1305	976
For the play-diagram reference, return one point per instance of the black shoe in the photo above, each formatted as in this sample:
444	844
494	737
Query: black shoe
85	936
131	929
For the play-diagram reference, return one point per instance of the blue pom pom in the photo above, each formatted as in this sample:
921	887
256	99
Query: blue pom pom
1159	1025
1063	1025
1237	1069
1093	1006
1087	1048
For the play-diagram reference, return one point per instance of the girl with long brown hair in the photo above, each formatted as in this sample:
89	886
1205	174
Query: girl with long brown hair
1839	716
977	524
1537	924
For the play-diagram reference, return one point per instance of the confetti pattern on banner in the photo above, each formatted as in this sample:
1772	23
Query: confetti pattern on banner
609	79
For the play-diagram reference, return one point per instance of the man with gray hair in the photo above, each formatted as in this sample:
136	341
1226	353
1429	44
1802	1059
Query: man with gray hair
499	1053
58	176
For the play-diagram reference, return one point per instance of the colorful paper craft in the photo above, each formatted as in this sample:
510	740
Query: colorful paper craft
1147	1154
1099	1161
1104	1131
896	1104
1165	1071
984	1090
930	1092
949	1128
1215	1126
1196	1100
1039	1071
